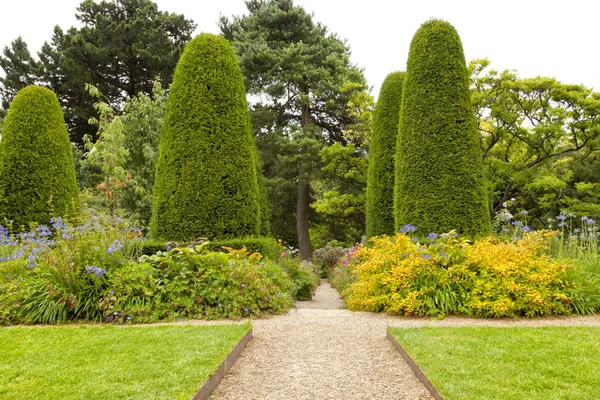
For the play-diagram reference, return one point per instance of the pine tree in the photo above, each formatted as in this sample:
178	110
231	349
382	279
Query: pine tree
380	178
206	180
37	172
439	173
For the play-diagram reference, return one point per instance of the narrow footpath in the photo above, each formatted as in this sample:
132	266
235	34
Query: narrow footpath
319	351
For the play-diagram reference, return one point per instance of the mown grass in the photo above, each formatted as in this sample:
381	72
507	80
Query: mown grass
507	363
111	362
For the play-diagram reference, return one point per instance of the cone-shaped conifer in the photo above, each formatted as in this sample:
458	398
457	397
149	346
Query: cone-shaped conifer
37	172
206	183
439	175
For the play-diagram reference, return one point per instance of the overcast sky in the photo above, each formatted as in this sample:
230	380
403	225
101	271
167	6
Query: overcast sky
549	38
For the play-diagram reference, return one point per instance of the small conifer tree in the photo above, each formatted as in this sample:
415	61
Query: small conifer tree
380	178
206	180
439	173
37	171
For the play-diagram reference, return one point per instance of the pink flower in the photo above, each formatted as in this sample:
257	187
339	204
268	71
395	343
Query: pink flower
283	254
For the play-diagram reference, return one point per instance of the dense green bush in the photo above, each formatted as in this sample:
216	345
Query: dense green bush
37	172
305	280
266	246
206	180
382	153
439	175
327	257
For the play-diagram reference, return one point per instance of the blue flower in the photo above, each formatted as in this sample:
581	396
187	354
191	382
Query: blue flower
426	256
415	239
561	217
91	269
408	228
433	236
516	223
524	212
114	247
525	229
58	223
245	309
505	230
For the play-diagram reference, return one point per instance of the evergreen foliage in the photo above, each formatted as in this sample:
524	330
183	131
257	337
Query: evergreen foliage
37	172
380	178
439	174
206	183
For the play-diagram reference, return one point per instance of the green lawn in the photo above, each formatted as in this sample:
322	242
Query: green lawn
507	363
111	362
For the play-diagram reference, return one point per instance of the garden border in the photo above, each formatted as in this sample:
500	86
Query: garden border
415	368
215	378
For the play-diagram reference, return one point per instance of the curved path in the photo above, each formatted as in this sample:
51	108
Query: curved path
319	351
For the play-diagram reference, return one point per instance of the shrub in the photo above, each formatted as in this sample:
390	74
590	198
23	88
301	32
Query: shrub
380	178
305	280
192	282
266	246
342	275
37	172
206	180
490	278
60	271
439	179
326	258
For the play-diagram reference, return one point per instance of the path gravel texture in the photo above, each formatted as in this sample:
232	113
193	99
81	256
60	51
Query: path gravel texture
320	351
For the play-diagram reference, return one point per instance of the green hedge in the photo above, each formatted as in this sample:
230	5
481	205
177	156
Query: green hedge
206	180
380	178
439	173
267	246
37	172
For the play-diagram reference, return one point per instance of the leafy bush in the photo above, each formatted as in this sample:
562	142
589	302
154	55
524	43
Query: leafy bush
206	179
326	258
439	174
58	273
305	280
382	152
192	282
37	171
342	275
266	246
490	278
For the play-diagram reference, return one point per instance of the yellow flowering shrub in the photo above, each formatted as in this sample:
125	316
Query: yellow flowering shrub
490	278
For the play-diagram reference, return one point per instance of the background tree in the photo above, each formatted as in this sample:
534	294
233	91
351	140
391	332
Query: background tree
297	70
206	183
121	48
540	142
37	174
380	185
439	179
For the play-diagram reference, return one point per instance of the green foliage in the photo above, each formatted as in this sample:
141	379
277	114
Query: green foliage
305	280
439	179
266	246
490	278
37	174
61	273
206	183
539	139
380	184
120	46
304	80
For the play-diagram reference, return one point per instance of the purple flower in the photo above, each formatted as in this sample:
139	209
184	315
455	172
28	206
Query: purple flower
91	269
561	217
415	239
433	236
525	229
243	285
245	309
524	212
114	247
408	228
426	256
516	223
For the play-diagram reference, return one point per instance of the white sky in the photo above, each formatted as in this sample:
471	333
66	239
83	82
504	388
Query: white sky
535	37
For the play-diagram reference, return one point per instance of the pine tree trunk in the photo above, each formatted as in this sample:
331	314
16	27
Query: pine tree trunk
302	209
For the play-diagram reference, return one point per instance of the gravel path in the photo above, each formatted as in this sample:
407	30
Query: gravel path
319	351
